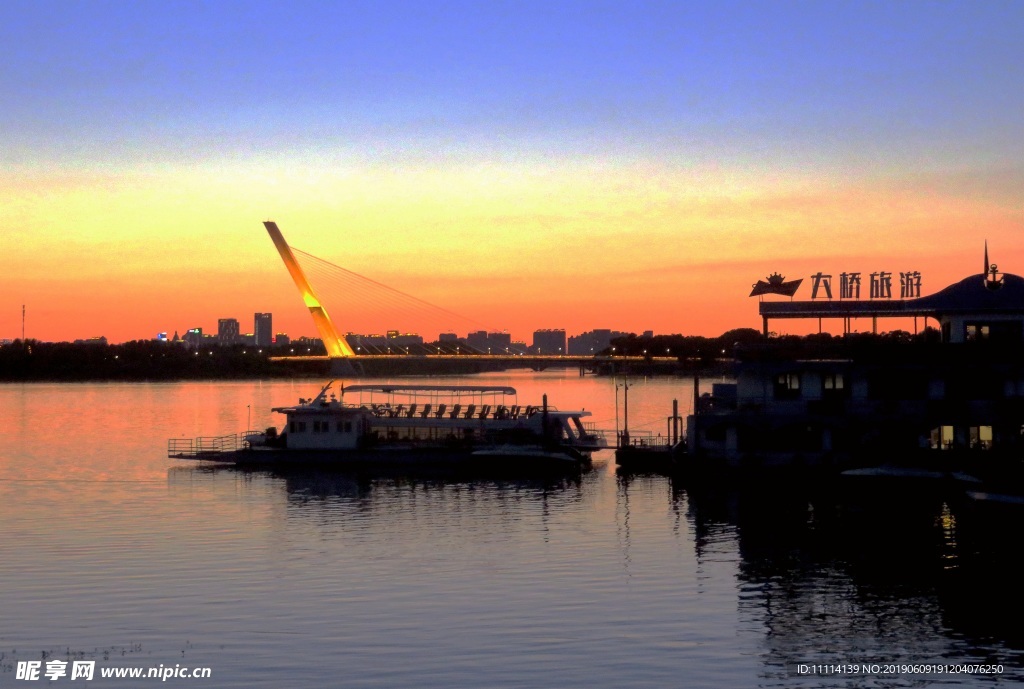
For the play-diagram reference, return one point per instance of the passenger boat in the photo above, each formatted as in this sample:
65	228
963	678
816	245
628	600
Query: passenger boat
472	426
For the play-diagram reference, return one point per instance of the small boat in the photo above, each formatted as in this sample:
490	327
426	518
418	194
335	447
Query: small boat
473	426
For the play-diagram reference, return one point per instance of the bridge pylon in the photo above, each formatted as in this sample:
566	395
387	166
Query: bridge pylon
337	347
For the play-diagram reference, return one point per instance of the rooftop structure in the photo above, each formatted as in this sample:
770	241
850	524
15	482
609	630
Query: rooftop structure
984	305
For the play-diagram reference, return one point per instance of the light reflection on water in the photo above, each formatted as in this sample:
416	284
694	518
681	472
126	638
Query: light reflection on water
318	579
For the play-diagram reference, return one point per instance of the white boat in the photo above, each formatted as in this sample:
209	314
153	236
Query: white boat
372	425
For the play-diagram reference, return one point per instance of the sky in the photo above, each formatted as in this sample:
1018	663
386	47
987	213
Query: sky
526	165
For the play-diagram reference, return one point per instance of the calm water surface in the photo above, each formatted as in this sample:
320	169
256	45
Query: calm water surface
114	553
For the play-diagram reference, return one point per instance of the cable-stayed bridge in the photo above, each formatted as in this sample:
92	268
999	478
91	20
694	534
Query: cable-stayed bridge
393	303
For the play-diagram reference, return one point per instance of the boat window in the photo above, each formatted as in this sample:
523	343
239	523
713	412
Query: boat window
833	381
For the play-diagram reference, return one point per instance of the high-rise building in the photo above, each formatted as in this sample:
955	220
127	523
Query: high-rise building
593	342
394	342
193	337
263	329
227	331
483	342
549	342
477	340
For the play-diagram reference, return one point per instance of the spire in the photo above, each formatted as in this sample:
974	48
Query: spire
992	279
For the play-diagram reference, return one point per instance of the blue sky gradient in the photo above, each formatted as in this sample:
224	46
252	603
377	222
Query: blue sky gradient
805	83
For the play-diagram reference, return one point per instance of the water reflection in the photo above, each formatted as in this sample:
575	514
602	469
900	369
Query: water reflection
327	496
591	580
828	577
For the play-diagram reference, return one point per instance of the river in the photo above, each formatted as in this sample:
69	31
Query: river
116	555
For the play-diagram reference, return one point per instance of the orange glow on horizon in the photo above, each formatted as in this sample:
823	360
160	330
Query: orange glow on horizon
575	246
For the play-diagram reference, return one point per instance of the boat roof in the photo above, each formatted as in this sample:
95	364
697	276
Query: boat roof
401	387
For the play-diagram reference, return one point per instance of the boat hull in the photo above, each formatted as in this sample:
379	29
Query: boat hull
483	459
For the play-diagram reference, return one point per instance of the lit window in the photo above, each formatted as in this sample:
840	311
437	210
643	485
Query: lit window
833	381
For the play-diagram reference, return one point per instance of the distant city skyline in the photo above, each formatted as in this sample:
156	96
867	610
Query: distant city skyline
545	340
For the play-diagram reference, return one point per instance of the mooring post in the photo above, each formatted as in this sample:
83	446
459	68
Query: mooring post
625	413
675	421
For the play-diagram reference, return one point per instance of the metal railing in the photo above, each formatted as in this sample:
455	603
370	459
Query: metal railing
204	446
643	439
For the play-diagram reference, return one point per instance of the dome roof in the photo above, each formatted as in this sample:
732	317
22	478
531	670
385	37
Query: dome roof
975	294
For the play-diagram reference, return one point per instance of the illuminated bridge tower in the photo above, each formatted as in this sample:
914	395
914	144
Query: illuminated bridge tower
337	347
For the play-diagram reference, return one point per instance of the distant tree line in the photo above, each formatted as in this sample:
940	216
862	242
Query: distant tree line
142	360
27	360
744	341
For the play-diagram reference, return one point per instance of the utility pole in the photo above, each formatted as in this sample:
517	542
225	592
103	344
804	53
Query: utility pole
22	322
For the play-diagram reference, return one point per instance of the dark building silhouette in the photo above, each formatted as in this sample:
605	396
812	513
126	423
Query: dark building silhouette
263	329
593	342
488	343
227	331
549	342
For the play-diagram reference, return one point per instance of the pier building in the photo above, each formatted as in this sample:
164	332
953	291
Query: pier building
985	305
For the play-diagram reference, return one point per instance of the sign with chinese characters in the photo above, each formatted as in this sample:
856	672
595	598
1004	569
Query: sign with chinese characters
879	285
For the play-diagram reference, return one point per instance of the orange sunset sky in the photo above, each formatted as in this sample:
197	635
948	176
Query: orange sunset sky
634	166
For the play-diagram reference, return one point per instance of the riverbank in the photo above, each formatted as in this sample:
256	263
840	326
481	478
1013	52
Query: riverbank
142	360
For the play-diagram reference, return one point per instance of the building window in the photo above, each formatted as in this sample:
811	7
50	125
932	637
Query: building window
974	331
787	386
998	331
833	385
942	438
981	437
